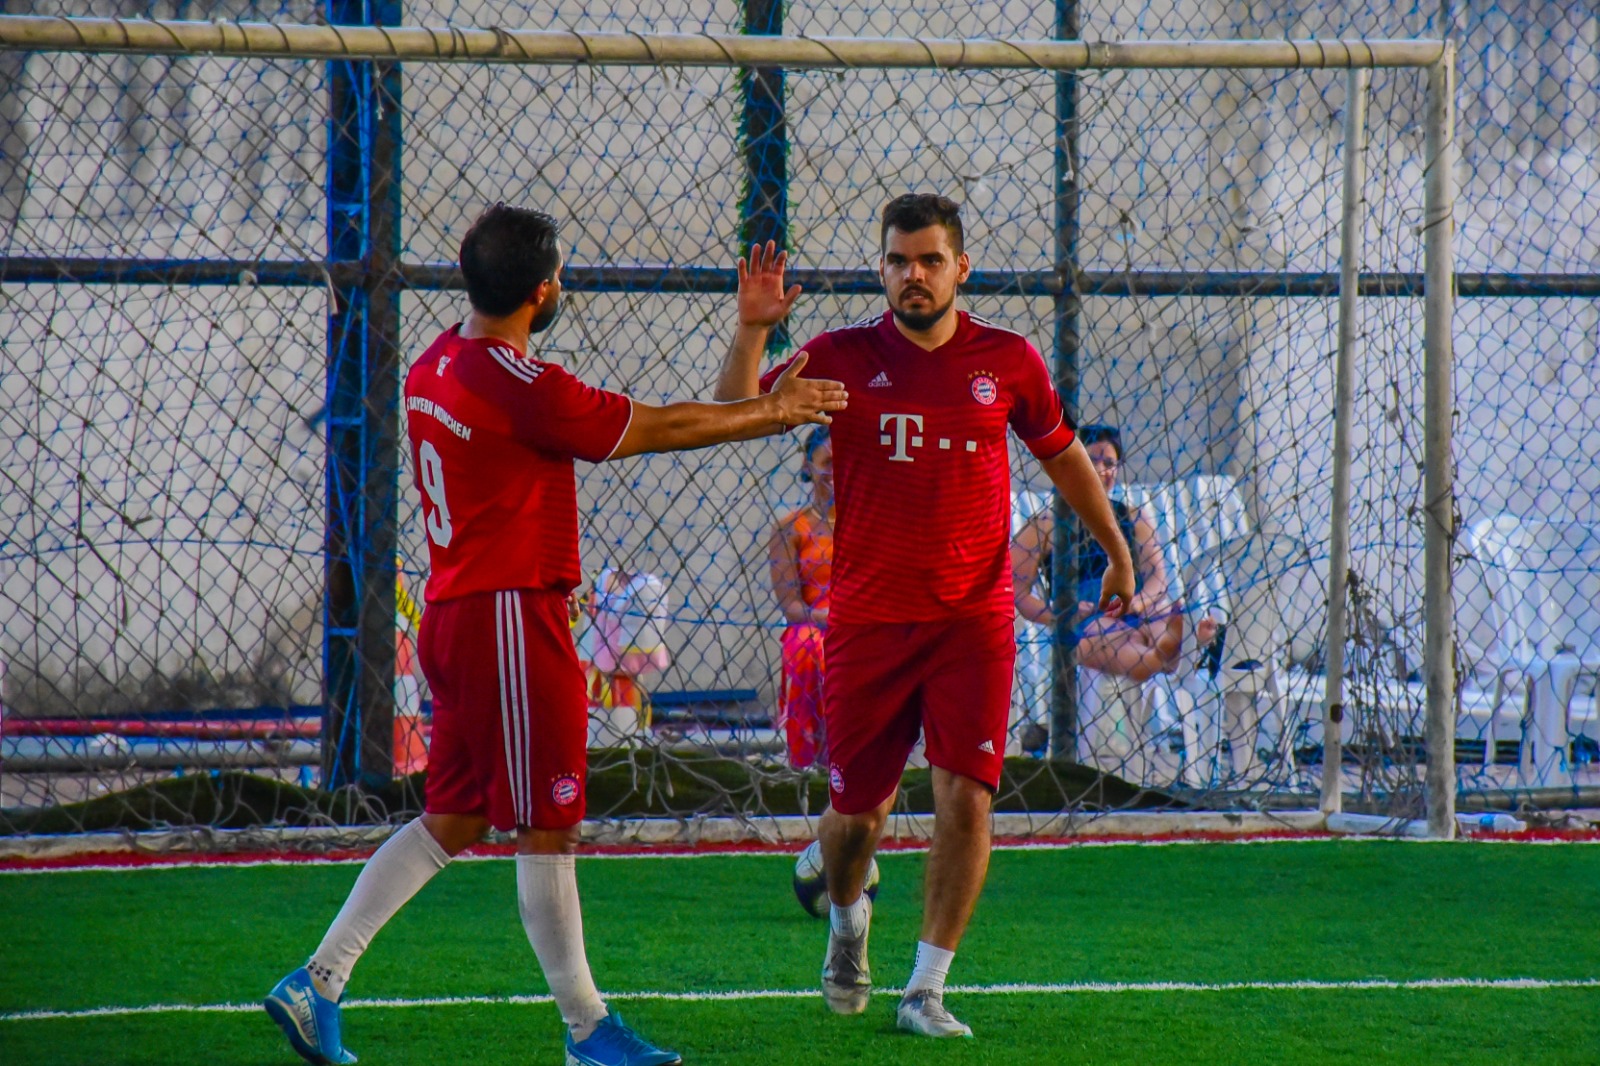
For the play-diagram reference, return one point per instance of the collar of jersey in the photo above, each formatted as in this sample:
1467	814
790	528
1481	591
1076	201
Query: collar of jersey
491	342
963	329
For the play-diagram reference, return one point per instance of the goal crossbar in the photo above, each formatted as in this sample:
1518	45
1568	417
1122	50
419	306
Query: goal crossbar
457	44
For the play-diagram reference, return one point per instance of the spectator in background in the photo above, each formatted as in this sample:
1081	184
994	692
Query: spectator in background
800	553
1145	641
410	736
628	610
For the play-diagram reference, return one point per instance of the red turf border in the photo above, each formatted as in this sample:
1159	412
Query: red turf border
256	857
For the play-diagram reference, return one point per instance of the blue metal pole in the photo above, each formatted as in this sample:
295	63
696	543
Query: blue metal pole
1064	724
363	406
764	212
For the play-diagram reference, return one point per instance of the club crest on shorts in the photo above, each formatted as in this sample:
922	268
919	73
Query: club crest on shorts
984	389
565	790
836	779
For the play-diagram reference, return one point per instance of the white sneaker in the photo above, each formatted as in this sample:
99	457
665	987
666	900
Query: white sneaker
923	1013
846	978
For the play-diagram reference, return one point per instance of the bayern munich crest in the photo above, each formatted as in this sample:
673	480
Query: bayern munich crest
565	790
836	778
984	389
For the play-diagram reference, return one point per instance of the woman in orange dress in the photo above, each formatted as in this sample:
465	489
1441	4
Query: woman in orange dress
800	552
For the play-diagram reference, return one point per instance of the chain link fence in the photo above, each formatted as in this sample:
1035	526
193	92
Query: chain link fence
170	303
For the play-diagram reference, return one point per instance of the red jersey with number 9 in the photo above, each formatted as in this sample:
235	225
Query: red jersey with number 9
493	437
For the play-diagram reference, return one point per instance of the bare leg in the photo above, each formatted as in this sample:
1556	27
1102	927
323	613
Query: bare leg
1167	637
454	833
547	841
958	862
457	832
848	841
1122	653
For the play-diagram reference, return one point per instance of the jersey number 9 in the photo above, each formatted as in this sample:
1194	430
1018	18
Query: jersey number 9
438	517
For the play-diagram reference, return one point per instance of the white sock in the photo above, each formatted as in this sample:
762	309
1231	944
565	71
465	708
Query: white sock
928	973
850	921
547	897
406	862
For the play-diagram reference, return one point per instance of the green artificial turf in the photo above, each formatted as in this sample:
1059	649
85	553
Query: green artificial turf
1209	913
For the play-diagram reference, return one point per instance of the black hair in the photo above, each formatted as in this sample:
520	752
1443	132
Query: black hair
919	210
814	440
1098	432
507	254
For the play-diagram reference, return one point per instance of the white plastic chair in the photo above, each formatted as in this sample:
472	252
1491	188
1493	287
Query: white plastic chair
1191	518
1544	580
1030	693
1241	583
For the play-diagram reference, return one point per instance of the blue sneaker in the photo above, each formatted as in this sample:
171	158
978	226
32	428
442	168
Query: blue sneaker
309	1019
613	1044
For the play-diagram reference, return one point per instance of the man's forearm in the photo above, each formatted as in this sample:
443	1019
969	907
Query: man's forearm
741	368
691	424
1073	476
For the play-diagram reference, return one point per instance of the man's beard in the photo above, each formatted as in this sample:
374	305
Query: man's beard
546	317
923	321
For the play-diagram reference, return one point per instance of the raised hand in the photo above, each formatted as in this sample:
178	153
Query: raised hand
763	302
802	400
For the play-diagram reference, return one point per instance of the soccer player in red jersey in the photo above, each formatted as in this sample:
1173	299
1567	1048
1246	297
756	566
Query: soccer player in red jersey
494	433
919	633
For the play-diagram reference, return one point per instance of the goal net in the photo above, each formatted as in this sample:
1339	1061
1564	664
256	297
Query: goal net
197	622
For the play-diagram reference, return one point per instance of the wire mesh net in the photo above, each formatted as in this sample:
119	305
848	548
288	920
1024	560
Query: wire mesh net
167	493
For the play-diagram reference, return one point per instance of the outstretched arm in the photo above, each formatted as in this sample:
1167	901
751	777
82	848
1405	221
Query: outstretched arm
1073	476
763	303
680	426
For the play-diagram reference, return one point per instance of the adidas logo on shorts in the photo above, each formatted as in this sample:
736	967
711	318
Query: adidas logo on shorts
987	747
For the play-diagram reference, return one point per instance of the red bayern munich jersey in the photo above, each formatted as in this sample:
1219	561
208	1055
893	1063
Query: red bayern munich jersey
922	475
493	437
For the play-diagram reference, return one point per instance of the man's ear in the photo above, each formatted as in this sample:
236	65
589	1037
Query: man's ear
963	267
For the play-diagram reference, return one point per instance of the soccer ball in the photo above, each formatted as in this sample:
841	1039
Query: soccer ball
811	888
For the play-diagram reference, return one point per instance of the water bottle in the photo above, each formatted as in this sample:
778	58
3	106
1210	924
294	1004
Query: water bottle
1491	823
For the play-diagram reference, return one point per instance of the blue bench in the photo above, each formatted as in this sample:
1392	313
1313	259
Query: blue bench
716	706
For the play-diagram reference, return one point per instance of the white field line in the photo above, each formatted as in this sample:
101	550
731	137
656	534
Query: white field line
1054	845
1078	988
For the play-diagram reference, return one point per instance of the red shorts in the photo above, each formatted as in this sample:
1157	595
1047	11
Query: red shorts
510	716
888	682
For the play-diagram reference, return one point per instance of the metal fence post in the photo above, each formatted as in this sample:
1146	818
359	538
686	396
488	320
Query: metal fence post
363	410
764	135
1438	464
1350	254
1064	724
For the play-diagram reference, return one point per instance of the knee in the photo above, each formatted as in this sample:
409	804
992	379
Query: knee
854	829
559	841
454	833
963	800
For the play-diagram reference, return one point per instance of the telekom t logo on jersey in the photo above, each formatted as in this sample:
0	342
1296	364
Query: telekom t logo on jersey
900	436
905	431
